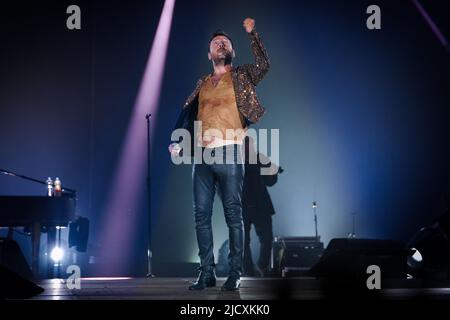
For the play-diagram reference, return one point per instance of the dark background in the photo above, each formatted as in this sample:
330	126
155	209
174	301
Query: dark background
362	114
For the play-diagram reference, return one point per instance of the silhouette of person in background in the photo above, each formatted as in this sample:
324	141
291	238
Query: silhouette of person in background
257	208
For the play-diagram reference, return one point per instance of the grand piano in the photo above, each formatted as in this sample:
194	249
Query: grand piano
38	213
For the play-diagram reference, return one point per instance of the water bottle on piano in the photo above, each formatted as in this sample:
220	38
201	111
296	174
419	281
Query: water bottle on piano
58	189
49	187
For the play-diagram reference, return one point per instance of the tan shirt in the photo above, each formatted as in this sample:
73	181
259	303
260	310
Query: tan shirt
217	109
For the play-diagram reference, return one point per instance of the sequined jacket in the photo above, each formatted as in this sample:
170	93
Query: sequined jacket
245	78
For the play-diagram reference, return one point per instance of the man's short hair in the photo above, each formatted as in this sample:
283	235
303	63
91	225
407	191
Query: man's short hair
220	32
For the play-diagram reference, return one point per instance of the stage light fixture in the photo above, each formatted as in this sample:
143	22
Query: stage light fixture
57	254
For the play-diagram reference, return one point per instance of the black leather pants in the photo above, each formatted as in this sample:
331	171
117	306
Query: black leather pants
228	177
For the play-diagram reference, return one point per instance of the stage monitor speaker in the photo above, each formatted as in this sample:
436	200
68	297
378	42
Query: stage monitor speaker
13	286
12	258
15	275
349	259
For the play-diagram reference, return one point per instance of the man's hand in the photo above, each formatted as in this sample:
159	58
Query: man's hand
174	149
249	25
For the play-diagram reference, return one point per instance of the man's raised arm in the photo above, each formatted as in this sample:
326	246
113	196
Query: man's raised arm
262	63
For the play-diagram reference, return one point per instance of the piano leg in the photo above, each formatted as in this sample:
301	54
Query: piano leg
36	243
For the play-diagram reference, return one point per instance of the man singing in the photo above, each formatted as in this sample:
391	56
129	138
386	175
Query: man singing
223	102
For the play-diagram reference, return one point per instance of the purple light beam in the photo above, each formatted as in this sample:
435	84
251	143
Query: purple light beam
432	25
120	216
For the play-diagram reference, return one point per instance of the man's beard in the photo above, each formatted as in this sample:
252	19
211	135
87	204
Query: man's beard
224	59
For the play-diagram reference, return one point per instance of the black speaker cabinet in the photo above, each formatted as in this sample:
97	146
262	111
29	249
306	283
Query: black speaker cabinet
15	275
12	258
292	256
349	258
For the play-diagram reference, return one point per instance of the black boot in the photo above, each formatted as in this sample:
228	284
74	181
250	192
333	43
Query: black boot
207	278
232	284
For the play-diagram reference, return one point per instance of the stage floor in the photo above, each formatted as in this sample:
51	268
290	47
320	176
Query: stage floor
251	289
